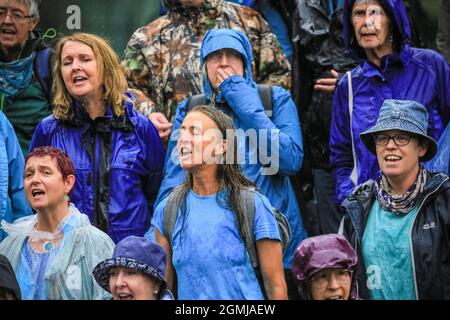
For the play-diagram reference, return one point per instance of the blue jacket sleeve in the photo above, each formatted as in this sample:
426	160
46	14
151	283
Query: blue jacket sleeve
283	134
173	174
443	74
16	167
341	155
154	158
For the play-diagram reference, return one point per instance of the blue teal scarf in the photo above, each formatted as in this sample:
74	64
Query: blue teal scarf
16	75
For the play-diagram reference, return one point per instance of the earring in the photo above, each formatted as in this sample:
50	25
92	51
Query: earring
66	197
391	38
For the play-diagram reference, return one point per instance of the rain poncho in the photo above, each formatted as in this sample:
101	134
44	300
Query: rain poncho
68	271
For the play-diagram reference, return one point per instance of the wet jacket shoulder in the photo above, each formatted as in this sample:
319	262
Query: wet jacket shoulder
162	59
430	235
13	203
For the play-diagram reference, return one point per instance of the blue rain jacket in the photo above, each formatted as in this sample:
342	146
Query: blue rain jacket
13	203
412	74
118	166
240	100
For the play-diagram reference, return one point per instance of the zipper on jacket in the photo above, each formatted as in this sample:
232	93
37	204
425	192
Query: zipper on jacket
410	236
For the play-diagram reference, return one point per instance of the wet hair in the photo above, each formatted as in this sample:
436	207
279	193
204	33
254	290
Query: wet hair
229	175
63	161
109	70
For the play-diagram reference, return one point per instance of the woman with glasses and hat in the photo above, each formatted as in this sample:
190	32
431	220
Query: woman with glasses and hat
323	268
399	223
135	271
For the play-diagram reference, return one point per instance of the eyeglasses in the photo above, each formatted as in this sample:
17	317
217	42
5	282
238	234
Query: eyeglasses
229	53
322	278
16	17
399	139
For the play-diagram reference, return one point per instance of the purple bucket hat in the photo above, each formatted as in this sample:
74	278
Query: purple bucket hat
136	253
328	251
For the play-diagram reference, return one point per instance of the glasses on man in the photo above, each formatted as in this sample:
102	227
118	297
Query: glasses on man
399	139
322	278
15	16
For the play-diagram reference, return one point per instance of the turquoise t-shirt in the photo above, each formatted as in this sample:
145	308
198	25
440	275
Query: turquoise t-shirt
386	248
209	255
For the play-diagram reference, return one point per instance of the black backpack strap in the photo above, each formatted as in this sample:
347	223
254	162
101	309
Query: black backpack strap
171	213
265	94
248	200
43	70
197	100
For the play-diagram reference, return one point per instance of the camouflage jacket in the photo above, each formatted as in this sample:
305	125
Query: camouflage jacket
162	59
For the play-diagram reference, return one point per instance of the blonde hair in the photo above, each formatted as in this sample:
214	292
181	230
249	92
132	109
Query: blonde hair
109	70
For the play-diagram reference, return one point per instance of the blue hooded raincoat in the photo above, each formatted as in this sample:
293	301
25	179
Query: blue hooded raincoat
240	100
118	166
13	204
411	74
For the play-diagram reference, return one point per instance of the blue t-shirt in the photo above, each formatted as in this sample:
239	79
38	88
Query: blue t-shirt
209	254
386	248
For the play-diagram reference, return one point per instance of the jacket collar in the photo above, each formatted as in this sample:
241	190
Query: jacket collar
364	196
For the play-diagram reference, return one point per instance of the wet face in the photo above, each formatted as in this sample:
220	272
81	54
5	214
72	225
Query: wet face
331	284
191	3
222	64
371	26
15	24
129	284
200	141
399	158
80	71
44	185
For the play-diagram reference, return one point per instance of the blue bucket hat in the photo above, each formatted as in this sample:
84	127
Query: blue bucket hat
403	115
136	253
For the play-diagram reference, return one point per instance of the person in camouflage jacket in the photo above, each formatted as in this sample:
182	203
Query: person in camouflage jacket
162	59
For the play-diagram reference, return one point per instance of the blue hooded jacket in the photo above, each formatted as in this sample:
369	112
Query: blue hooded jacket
411	74
245	107
116	177
13	203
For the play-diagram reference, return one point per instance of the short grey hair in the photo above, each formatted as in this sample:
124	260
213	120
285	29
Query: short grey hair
34	7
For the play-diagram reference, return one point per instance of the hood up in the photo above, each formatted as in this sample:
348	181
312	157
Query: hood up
218	39
394	8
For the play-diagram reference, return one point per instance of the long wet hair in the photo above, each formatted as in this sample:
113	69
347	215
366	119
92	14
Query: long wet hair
229	175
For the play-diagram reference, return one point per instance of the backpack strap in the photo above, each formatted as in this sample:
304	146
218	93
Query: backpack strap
265	94
264	91
171	213
197	100
42	69
248	200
